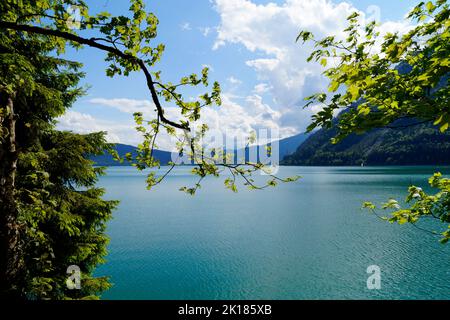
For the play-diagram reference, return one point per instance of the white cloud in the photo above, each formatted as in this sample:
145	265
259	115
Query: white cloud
186	26
269	31
205	31
262	88
125	105
263	64
239	119
82	123
234	81
234	118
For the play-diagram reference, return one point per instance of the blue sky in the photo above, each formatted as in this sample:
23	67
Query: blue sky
249	45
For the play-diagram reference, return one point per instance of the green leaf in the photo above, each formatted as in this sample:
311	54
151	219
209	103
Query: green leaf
430	6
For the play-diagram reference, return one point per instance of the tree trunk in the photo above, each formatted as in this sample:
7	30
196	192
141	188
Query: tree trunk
11	262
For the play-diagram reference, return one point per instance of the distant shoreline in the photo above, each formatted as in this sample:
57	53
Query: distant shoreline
307	166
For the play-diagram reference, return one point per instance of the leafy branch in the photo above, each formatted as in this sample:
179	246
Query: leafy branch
423	205
406	78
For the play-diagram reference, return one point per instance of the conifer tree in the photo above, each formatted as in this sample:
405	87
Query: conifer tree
52	216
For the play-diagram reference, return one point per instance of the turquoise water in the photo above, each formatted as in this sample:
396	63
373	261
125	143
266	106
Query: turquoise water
305	240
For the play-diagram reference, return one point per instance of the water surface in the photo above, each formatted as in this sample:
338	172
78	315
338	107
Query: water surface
304	240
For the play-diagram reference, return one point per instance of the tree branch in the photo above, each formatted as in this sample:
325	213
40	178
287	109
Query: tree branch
92	43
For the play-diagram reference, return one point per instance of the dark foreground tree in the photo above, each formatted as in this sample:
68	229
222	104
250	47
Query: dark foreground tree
407	77
52	216
64	215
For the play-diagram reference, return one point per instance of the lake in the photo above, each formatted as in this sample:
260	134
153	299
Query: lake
303	240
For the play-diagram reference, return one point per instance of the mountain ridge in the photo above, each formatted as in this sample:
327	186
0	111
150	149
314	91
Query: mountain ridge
107	160
287	147
420	144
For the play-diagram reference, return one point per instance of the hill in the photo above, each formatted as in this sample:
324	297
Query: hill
287	147
107	160
411	145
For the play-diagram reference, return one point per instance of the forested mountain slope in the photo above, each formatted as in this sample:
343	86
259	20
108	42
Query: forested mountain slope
408	145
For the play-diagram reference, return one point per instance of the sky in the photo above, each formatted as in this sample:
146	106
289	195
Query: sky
249	46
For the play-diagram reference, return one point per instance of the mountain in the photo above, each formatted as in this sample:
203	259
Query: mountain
107	160
408	144
287	147
412	145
